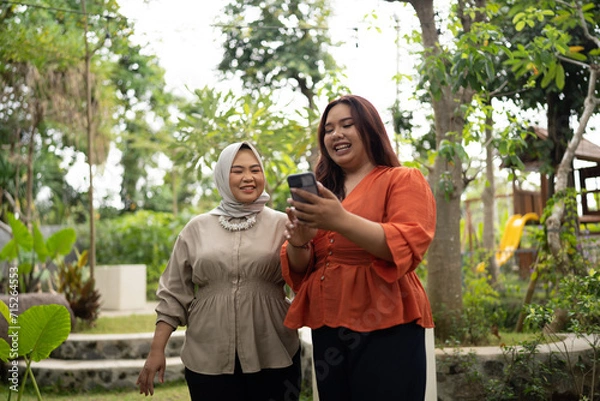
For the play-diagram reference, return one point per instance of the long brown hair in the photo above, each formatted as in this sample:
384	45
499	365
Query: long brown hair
372	134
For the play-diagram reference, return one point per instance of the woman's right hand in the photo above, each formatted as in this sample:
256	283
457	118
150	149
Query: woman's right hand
155	363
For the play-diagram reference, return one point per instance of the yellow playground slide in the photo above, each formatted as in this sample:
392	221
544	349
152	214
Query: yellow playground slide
512	236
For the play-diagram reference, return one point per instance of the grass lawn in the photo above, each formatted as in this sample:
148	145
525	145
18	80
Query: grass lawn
174	391
164	392
120	324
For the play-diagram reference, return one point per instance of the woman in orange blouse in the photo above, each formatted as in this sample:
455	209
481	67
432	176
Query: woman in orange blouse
351	255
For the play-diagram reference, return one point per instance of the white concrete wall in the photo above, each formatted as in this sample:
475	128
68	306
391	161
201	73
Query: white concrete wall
431	389
121	287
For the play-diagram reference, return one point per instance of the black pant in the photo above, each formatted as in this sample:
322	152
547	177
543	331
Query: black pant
267	385
381	365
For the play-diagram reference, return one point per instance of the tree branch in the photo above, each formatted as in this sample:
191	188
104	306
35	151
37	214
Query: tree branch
570	60
584	26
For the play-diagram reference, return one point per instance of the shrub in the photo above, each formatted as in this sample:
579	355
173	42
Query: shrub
143	237
74	281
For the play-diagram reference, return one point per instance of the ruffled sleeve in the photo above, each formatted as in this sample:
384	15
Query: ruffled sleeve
294	280
409	223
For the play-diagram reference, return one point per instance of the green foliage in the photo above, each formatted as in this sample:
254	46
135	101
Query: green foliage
570	249
480	308
446	185
578	295
264	38
143	237
40	329
32	252
433	75
43	53
530	17
476	63
556	25
43	328
573	288
216	119
525	375
487	309
21	239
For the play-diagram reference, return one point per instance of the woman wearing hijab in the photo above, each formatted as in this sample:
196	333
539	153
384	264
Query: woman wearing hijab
224	282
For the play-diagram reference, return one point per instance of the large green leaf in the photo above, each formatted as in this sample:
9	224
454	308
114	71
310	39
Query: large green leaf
4	350
9	251
20	233
43	329
4	311
4	346
25	268
39	245
61	242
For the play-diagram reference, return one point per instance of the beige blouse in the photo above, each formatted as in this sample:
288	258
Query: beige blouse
227	288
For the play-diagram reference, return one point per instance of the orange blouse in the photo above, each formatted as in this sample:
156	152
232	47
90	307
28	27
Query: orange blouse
346	286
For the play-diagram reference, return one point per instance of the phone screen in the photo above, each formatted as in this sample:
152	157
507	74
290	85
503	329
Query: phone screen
305	181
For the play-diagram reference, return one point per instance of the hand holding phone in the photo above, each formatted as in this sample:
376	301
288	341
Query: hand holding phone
305	181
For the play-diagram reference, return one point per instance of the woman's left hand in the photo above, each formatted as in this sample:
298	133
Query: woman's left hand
295	232
324	212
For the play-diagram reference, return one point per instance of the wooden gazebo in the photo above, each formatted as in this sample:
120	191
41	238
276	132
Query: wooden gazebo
588	179
528	203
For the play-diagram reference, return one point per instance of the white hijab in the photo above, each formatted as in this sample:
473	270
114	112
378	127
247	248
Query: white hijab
229	206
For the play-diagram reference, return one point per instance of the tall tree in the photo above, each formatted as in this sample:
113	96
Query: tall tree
561	102
444	285
544	59
42	62
215	119
143	115
279	44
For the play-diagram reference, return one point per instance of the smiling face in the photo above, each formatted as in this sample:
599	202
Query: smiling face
246	178
342	139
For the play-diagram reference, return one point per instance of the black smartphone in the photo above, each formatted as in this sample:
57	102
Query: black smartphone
305	181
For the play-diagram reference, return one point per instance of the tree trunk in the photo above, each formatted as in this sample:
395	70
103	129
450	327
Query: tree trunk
90	150
489	209
444	283
444	259
16	153
29	183
554	221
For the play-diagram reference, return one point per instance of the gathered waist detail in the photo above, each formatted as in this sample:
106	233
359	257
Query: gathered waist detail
252	286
